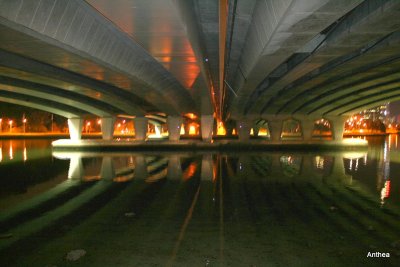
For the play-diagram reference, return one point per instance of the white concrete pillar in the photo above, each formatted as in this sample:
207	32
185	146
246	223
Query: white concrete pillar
207	124
275	130
107	128
337	126
207	168
174	127
140	124
307	128
75	128
75	170
243	129
107	171
174	170
141	167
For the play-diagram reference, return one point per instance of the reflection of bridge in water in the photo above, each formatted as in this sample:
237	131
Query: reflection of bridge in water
208	191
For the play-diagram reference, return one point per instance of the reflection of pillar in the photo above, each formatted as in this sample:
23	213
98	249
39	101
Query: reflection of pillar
243	168
75	128
243	129
207	124
307	166
140	124
174	167
75	170
337	126
338	170
107	171
107	128
140	167
207	168
275	129
174	127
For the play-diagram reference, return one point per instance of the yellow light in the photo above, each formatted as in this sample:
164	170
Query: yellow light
192	130
99	121
24	120
182	130
221	129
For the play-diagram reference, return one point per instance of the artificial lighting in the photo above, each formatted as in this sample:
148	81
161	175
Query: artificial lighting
221	129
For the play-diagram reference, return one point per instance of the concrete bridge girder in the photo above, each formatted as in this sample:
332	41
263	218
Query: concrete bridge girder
288	29
84	33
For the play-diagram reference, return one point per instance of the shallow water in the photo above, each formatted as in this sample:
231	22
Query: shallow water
199	209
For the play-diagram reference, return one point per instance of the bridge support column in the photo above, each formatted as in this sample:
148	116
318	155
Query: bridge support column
140	124
275	130
307	128
107	128
207	124
141	167
243	129
174	127
337	126
174	170
107	171
75	128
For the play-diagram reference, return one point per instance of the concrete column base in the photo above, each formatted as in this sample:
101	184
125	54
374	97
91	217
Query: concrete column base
75	128
307	128
140	124
107	128
275	129
207	124
337	126
174	127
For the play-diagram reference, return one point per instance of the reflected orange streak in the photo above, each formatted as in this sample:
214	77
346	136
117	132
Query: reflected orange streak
190	171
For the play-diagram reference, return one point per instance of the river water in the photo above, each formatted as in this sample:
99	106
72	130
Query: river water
199	209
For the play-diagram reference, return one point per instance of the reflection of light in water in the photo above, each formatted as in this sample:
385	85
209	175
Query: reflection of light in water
396	140
390	141
356	168
25	154
11	152
385	192
319	162
1	154
351	165
365	159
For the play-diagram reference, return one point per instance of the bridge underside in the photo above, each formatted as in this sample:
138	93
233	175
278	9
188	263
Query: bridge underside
244	64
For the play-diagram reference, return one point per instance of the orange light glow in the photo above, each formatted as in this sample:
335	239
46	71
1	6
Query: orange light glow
192	130
182	129
191	116
221	129
191	170
262	132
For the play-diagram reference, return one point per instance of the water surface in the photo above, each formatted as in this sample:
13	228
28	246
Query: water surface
199	209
